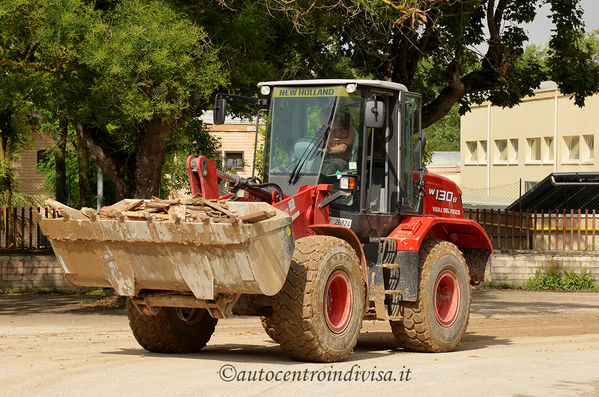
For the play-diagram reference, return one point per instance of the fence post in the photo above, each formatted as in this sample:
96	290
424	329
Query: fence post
564	229
593	229
528	242
578	246
485	220
499	229
586	227
506	238
534	232
30	227
513	229
7	227
520	234
492	226
557	213
14	226
22	227
37	226
549	229
572	229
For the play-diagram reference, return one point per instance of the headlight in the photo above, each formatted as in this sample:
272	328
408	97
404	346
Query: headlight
265	90
351	88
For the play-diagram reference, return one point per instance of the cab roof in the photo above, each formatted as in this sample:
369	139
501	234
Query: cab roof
369	83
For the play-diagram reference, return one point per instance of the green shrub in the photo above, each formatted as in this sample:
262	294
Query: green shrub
569	280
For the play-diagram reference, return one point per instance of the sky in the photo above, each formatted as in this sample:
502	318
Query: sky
540	29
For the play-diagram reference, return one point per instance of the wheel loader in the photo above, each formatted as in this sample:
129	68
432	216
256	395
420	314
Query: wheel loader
345	226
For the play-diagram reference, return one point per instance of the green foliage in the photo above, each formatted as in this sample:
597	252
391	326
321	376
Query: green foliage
554	279
444	135
15	133
450	51
190	138
100	292
147	61
128	72
260	154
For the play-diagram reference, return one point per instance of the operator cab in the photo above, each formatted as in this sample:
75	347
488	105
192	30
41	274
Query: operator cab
361	136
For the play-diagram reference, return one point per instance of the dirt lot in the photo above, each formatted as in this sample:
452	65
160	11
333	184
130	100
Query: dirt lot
518	343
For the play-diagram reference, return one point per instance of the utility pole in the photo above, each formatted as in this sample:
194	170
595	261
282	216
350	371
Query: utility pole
100	189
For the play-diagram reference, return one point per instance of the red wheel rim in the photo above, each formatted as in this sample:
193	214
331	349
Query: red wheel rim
447	298
337	301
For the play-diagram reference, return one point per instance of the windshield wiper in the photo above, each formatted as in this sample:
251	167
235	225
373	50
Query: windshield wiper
315	143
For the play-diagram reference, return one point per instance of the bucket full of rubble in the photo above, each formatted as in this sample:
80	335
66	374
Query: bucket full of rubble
192	245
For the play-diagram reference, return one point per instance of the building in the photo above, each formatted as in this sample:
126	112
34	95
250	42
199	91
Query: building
237	137
446	164
29	180
505	152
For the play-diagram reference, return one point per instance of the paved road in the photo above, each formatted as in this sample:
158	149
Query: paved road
518	344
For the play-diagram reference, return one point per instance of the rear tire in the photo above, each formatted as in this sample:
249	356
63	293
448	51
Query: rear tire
172	330
437	321
318	312
269	328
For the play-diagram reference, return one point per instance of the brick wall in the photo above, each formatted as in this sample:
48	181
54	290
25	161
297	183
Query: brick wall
26	271
31	270
516	267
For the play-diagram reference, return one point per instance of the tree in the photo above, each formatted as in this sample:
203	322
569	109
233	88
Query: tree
15	132
124	72
390	39
190	138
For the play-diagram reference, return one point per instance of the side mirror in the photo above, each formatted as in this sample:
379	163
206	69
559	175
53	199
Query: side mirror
220	110
374	116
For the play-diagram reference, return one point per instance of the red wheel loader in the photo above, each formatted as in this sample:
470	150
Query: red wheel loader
355	229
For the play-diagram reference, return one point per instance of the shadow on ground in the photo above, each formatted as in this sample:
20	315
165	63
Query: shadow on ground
47	304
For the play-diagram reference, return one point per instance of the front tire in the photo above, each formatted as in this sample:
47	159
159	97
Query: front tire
437	321
269	328
318	312
171	330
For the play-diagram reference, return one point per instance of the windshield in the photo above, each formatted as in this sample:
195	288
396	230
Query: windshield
312	128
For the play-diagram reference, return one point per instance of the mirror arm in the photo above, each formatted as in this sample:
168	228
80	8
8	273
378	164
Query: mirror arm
248	99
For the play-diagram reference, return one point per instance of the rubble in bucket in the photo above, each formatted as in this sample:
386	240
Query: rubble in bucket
194	209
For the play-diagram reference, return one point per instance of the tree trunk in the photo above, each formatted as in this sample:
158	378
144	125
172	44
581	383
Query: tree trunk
5	155
115	168
85	197
150	157
60	161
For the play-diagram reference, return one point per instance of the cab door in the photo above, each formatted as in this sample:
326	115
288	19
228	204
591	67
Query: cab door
411	152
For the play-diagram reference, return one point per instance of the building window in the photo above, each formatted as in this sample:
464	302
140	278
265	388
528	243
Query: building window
42	156
548	150
501	153
234	160
472	154
534	149
482	145
572	148
513	150
589	148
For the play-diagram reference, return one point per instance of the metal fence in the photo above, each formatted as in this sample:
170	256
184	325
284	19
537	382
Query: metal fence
19	229
565	230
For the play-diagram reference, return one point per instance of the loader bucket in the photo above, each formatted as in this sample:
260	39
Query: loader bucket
204	258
